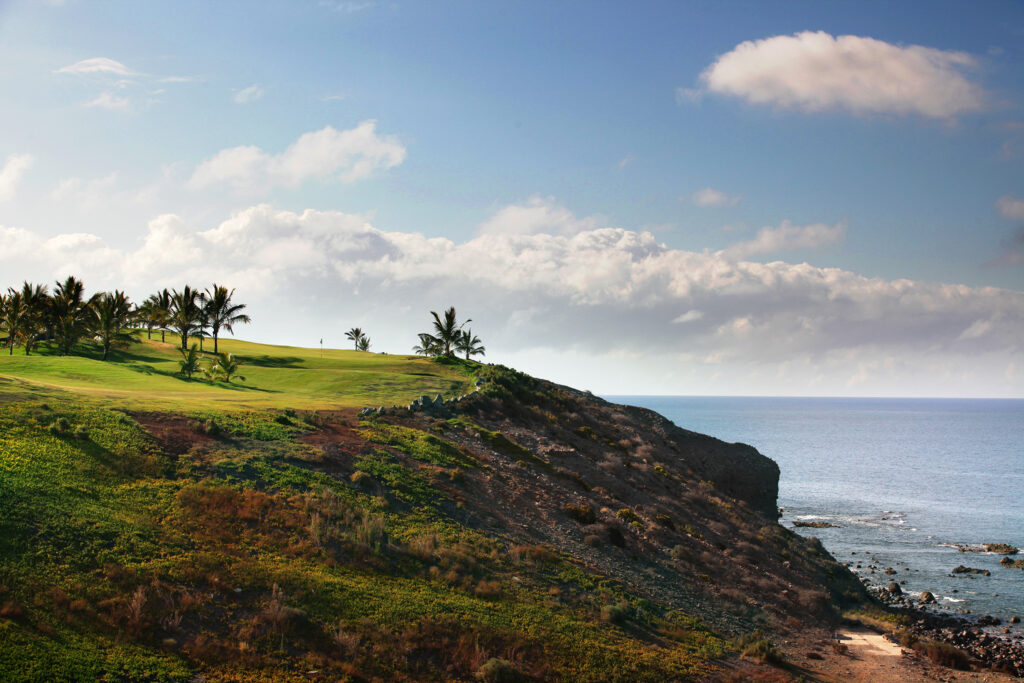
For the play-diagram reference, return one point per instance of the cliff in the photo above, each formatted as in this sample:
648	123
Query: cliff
527	531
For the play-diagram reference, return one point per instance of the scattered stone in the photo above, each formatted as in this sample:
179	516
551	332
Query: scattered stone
816	525
971	570
1001	548
1014	620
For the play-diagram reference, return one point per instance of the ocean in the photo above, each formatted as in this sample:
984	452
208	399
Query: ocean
905	481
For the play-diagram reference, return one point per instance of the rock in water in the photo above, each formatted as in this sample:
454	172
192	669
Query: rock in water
927	598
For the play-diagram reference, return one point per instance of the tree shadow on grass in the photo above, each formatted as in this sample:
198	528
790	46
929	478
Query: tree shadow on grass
229	385
271	361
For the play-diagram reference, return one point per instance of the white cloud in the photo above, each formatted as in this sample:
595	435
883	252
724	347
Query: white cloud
250	94
588	301
110	101
786	237
814	72
712	197
10	175
325	154
536	215
96	65
1011	207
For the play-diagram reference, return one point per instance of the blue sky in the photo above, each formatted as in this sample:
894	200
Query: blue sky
774	198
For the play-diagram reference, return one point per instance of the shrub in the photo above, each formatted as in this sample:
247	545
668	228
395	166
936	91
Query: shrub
371	533
60	426
583	513
497	670
488	590
756	646
617	613
679	553
665	521
361	479
627	515
945	654
593	540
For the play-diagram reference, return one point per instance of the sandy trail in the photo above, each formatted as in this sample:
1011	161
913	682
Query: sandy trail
869	643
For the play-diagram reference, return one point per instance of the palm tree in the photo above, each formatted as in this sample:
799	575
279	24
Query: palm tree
112	314
158	313
363	344
69	313
221	312
13	315
428	346
469	344
36	302
189	363
446	335
202	323
184	313
355	334
224	367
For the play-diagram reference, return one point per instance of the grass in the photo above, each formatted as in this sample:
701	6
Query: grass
143	377
258	558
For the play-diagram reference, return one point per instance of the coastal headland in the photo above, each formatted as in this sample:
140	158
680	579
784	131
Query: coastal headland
345	515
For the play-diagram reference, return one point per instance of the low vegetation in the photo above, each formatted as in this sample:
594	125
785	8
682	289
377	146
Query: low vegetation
157	528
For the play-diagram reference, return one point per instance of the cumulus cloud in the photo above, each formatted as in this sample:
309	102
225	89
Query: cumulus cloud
537	214
786	237
96	65
250	94
712	197
815	72
325	154
10	175
1011	207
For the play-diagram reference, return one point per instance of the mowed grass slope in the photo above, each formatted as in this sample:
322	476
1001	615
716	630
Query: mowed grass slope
145	377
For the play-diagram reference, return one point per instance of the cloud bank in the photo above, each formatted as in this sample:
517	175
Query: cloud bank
817	72
599	291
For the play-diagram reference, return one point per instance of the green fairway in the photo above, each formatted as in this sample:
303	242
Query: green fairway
144	377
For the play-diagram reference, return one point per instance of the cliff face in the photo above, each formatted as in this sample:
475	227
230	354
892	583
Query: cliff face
680	517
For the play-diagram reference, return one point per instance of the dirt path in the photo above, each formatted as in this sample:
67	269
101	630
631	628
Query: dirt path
870	657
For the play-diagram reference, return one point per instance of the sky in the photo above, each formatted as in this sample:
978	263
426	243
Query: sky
691	198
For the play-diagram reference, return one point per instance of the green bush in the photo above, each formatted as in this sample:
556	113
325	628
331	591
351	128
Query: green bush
497	670
617	613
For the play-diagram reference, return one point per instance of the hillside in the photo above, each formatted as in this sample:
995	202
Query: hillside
153	528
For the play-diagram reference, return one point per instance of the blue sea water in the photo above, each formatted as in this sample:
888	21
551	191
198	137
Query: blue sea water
904	480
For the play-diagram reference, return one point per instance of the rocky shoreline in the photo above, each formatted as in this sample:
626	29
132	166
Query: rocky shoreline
985	639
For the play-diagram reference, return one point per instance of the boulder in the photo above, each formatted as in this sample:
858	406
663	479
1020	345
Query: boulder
894	589
927	598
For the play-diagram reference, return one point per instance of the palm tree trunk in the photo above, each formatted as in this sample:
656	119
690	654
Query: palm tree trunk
163	336
215	343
